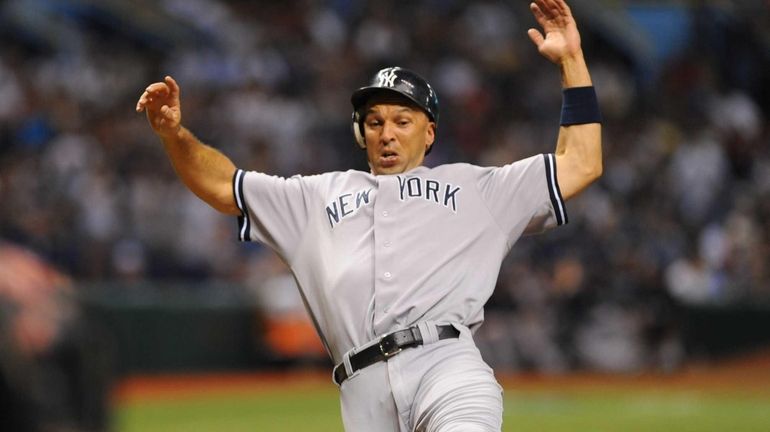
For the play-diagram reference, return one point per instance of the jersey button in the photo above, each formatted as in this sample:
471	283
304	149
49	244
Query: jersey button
386	244
387	275
385	213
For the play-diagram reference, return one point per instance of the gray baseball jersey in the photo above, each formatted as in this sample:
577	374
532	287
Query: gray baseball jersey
373	254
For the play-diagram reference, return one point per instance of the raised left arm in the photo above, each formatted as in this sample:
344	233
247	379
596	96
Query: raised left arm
579	145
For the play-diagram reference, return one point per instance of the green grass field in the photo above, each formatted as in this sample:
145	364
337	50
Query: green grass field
554	407
263	411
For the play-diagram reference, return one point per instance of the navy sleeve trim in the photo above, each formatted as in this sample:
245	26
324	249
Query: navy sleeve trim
553	189
244	224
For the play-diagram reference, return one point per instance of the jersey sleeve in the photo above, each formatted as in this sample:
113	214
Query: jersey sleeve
524	197
273	209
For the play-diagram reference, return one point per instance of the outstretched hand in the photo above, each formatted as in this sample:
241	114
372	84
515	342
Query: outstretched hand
160	101
562	39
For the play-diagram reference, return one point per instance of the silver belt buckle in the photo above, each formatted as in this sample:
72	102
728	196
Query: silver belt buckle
389	351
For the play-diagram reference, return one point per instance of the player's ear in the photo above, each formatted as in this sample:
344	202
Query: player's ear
430	135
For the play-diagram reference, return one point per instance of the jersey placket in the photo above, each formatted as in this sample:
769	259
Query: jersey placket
386	275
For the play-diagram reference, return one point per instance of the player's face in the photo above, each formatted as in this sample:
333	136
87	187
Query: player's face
397	135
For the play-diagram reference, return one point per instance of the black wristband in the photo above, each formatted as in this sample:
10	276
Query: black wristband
579	106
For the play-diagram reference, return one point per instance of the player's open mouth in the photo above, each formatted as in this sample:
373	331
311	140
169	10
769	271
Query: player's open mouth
388	158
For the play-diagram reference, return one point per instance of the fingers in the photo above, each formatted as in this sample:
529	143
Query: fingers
156	92
549	10
140	104
173	87
536	37
562	7
166	111
538	13
151	93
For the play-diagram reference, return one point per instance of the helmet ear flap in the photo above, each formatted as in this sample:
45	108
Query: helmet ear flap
358	129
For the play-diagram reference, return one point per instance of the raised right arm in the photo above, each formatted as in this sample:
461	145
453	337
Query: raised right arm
204	170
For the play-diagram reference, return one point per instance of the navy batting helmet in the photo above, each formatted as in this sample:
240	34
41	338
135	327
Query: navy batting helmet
398	80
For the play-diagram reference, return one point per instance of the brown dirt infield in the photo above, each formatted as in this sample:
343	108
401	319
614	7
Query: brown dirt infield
748	374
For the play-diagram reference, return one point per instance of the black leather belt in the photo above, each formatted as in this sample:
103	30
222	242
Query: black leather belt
389	345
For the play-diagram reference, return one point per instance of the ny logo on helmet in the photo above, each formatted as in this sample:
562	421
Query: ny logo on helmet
386	78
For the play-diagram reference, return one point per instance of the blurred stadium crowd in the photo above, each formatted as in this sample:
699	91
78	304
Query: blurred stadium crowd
681	216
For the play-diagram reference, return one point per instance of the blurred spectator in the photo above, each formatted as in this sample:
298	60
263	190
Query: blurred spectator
53	375
287	329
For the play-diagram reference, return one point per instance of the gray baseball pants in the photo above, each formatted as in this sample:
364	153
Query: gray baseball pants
441	386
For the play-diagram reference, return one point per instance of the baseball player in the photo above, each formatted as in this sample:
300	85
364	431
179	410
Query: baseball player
395	265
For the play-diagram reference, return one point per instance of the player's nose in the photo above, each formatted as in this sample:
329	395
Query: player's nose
388	132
